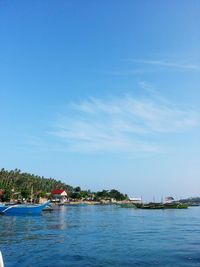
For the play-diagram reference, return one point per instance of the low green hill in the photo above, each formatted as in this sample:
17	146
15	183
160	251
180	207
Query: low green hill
14	183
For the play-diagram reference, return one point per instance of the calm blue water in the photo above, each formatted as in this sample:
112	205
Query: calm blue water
102	236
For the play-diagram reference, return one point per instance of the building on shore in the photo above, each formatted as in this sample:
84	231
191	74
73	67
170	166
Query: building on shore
136	200
59	195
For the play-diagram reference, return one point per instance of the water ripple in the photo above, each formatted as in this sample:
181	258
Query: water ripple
102	236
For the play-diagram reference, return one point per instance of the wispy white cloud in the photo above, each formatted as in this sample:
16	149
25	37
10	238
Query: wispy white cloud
141	66
127	124
133	71
169	64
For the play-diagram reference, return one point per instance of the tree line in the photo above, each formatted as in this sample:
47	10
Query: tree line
15	183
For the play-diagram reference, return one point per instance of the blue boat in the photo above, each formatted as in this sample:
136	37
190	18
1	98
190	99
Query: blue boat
25	209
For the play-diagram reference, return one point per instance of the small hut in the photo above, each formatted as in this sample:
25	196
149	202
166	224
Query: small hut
59	195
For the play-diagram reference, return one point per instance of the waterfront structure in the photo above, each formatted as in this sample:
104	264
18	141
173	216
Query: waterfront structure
59	195
136	200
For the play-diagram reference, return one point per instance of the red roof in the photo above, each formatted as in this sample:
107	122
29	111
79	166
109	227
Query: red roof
57	192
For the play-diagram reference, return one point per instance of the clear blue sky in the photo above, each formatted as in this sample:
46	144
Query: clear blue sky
103	94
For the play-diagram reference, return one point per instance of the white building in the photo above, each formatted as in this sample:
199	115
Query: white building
59	195
136	200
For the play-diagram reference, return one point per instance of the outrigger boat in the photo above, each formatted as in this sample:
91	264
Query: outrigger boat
23	209
127	205
1	260
153	206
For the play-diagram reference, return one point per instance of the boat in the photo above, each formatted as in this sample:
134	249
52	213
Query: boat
48	208
1	260
151	206
158	206
175	205
127	205
23	209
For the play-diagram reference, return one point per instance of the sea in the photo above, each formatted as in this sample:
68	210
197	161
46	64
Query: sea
102	236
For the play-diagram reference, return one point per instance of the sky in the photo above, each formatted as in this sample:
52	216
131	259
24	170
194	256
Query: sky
103	94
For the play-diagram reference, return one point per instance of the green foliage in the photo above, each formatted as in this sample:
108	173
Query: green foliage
42	194
117	195
75	195
7	195
27	184
77	189
102	194
112	194
25	193
16	181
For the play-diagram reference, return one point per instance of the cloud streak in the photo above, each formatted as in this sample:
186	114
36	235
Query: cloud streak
168	64
126	124
141	66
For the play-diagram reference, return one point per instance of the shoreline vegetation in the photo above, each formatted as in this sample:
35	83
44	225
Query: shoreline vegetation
16	185
19	187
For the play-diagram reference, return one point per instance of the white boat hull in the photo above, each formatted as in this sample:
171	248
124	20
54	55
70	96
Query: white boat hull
1	260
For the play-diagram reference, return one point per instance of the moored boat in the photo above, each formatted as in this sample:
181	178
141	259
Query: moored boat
175	205
23	209
1	260
127	205
153	206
